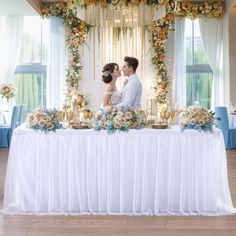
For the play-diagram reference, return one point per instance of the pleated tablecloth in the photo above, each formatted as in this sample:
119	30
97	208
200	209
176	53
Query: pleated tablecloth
142	172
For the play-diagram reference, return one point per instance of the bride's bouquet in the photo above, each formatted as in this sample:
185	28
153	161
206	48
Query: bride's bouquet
44	120
196	117
121	119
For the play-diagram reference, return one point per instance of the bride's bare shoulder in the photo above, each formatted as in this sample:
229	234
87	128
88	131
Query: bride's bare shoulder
109	89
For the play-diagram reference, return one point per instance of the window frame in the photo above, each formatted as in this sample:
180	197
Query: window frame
196	68
37	68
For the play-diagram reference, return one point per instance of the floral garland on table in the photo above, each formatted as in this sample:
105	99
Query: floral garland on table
44	120
7	91
200	9
160	33
77	32
121	119
196	117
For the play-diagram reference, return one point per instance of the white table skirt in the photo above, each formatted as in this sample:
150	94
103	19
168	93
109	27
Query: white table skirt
143	172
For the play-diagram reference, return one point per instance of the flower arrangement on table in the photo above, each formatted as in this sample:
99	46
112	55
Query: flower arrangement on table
196	117
7	91
121	119
44	120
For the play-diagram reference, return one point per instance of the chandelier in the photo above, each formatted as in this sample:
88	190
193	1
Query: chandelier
120	15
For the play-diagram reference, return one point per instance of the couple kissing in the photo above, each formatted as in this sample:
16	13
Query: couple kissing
132	90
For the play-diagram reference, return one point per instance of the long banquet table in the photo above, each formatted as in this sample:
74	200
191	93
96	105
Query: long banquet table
142	172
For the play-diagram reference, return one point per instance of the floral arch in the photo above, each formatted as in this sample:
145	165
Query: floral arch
77	31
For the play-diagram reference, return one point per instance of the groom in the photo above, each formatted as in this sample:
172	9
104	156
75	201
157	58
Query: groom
131	95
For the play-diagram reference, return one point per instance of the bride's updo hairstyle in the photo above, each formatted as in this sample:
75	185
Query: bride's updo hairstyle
106	72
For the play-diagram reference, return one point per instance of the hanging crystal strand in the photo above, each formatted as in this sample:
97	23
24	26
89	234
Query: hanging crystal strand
98	29
132	16
110	42
150	37
120	42
135	29
141	14
113	43
99	41
142	50
103	44
94	53
122	17
94	15
96	12
132	35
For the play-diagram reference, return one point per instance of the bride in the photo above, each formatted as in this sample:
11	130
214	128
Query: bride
110	73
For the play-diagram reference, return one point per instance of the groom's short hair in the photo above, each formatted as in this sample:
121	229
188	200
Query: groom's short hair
132	62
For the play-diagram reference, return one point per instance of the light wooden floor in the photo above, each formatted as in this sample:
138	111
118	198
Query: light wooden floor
120	225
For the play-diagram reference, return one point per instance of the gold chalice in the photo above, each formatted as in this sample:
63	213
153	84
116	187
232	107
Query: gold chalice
166	116
69	116
88	115
172	116
60	116
162	116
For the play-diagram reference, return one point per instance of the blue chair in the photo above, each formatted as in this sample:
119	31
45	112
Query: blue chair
7	130
229	133
20	115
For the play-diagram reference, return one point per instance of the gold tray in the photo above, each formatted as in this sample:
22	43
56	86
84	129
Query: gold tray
79	126
159	126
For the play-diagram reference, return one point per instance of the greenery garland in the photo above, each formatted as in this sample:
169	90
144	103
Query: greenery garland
77	32
160	33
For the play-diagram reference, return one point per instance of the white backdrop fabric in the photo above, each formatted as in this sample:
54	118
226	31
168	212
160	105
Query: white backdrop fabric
143	172
103	47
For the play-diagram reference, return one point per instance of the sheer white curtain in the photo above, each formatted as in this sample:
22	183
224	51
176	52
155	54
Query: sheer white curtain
102	46
56	63
11	32
212	38
179	64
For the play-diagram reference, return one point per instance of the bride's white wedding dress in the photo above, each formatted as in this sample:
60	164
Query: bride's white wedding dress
115	97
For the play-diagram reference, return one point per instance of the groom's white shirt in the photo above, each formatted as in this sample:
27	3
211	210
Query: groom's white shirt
132	92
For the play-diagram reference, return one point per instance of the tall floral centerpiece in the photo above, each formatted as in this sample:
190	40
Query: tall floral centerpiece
7	91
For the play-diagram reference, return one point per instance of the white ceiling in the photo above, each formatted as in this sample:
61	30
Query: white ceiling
16	7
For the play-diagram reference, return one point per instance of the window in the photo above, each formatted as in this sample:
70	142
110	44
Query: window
199	73
30	74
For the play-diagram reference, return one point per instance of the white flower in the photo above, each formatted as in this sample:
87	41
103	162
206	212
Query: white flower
120	113
128	115
7	90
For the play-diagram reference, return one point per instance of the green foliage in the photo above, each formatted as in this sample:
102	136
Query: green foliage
31	90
